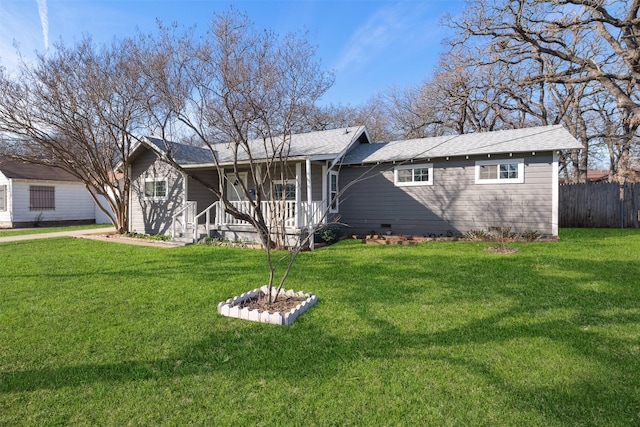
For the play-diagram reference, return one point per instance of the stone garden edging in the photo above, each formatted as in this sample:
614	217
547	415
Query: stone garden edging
230	307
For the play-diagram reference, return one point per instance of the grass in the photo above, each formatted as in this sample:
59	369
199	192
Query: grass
444	333
40	230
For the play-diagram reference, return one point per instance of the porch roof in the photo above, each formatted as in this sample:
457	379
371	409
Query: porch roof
320	145
533	139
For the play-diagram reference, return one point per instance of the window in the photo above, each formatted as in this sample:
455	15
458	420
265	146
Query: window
3	198
500	171
333	191
411	175
284	190
155	188
42	198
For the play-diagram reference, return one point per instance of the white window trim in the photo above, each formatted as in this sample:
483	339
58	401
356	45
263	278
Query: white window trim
413	183
337	192
498	162
155	179
284	183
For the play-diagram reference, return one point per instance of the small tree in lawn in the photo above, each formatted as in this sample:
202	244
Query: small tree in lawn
244	90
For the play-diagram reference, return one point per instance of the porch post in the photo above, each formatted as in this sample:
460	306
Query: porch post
309	201
325	191
298	207
555	191
220	215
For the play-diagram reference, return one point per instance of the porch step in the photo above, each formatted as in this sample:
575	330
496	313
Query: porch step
185	240
187	235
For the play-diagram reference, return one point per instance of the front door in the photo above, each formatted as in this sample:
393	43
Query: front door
235	193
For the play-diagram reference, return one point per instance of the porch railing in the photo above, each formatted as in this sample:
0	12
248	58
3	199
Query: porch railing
294	215
207	215
184	218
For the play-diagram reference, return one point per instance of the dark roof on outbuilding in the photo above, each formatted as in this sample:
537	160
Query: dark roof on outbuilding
14	169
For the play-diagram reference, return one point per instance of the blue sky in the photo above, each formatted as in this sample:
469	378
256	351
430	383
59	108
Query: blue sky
370	45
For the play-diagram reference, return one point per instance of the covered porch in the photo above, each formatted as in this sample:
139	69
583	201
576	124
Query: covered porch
214	221
296	203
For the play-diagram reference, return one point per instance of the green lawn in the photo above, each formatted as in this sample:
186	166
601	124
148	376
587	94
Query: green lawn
39	230
98	333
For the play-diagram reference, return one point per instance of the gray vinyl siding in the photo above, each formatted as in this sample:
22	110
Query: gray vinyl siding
152	216
453	204
200	193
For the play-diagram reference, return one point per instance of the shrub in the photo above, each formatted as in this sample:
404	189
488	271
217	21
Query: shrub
530	235
162	237
477	235
329	235
501	233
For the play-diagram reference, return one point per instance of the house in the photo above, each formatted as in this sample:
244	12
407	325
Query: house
166	201
429	186
32	194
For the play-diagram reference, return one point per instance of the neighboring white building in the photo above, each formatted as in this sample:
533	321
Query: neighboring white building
32	195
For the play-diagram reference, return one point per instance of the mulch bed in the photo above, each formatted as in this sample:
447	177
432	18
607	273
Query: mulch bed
282	304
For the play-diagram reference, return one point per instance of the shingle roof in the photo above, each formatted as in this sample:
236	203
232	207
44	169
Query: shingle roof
183	154
326	144
542	138
21	170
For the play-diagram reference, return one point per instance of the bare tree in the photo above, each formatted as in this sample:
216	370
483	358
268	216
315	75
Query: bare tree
586	41
80	108
412	111
371	114
243	92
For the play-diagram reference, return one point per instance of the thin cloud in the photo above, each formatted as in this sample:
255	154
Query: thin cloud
17	33
44	20
387	27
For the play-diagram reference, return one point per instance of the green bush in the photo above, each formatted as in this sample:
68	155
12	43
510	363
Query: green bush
330	235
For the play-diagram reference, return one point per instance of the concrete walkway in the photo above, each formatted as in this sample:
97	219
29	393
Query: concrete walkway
104	234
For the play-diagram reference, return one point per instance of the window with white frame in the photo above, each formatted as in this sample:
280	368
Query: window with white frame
284	190
500	171
3	198
155	188
42	198
412	175
333	191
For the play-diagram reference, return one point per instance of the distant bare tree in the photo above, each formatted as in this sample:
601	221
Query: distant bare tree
371	114
412	111
579	41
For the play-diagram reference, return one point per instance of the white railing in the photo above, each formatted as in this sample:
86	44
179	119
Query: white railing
184	218
207	215
293	214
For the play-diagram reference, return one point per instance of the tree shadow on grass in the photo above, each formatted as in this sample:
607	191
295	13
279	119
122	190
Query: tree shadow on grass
245	352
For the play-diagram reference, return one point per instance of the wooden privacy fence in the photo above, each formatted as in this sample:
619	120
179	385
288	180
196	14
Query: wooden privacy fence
600	204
